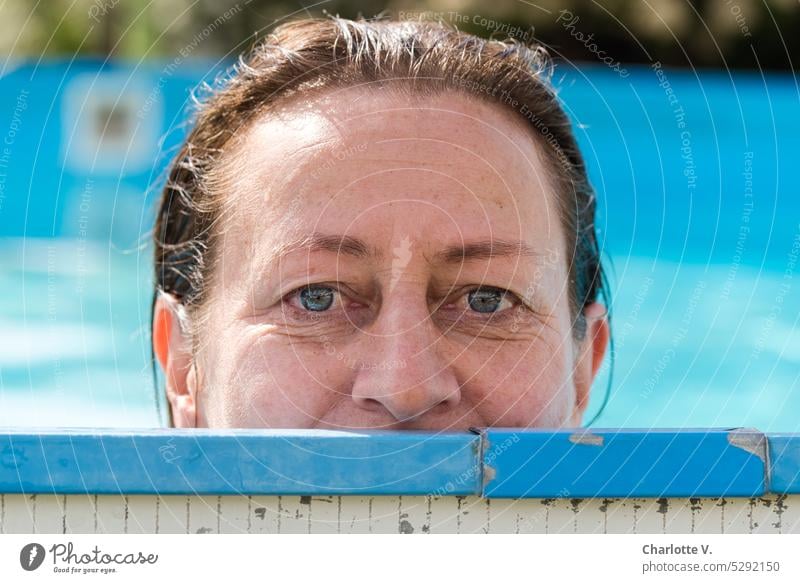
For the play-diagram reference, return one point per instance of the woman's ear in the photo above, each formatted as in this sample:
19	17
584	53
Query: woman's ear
589	356
172	347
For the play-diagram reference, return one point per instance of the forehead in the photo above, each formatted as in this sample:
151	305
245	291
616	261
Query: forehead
358	154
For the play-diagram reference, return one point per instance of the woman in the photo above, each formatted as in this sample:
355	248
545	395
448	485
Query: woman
379	224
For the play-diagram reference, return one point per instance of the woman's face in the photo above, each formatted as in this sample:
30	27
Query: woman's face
385	262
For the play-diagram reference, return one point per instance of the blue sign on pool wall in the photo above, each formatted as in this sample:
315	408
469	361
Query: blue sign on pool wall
85	144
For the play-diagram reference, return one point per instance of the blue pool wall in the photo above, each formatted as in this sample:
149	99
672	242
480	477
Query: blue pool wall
493	463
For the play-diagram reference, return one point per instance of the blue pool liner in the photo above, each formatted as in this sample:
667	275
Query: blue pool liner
239	462
623	463
494	463
784	460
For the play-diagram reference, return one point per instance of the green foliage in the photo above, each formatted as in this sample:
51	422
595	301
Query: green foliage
704	33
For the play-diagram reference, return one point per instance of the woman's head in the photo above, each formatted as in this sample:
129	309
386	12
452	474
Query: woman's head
379	224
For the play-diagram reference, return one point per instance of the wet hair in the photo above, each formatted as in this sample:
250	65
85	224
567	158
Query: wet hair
423	58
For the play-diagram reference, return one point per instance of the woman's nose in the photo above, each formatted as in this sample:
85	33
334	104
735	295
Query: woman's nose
403	369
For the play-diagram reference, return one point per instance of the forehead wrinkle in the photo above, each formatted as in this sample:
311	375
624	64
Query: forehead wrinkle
306	155
338	244
355	247
485	249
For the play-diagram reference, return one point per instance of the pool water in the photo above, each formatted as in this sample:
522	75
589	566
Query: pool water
74	348
699	222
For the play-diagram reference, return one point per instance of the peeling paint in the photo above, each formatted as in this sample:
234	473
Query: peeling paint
606	503
780	508
751	441
567	514
489	474
476	445
586	438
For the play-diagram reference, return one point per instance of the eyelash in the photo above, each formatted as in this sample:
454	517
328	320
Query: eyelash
309	315
326	315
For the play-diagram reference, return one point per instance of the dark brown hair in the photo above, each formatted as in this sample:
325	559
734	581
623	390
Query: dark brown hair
420	57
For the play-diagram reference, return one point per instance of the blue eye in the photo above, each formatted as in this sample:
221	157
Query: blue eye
486	300
316	298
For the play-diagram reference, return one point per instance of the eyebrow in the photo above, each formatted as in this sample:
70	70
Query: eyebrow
355	247
485	249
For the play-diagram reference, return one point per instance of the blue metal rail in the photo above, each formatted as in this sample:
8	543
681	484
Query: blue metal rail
494	463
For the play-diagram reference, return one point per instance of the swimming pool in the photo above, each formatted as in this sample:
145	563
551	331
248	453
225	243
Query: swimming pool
699	219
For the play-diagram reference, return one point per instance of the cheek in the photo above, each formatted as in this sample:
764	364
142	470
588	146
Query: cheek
264	381
522	384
